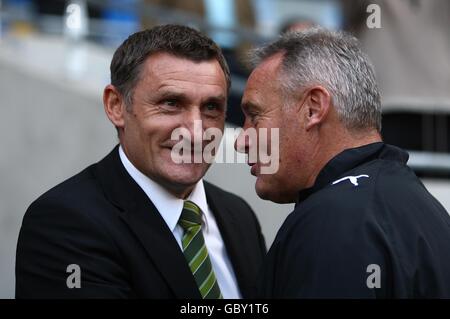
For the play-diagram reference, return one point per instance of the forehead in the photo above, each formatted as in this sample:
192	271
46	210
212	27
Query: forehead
263	80
270	65
162	68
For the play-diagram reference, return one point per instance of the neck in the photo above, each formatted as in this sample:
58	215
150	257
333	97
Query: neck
342	141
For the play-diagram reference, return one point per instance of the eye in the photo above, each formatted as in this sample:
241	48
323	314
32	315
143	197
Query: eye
252	116
170	104
213	108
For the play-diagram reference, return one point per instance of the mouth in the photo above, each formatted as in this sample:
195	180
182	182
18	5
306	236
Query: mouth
194	156
253	168
169	144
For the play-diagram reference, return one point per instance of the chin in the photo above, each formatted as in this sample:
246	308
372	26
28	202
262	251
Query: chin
264	191
186	174
273	193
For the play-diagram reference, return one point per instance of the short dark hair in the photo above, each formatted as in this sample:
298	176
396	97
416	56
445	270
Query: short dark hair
181	41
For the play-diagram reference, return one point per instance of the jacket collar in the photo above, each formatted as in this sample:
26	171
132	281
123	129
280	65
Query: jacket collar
169	206
143	219
202	195
349	159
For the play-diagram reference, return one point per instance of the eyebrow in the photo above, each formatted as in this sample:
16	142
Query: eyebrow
173	95
183	97
218	99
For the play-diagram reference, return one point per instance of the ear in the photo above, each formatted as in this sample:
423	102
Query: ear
317	101
114	105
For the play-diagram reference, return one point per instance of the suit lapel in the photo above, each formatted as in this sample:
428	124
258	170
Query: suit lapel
144	220
228	229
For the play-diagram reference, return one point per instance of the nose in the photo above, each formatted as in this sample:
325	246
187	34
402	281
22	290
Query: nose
242	143
193	122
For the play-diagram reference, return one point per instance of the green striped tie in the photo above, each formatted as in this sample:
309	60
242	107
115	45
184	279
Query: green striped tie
195	251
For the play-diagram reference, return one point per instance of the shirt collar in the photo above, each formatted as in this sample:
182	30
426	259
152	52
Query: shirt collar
351	158
168	205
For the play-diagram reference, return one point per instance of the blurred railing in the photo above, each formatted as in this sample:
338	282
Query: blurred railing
431	158
422	128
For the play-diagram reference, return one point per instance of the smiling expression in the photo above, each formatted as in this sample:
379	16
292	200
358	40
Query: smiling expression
171	93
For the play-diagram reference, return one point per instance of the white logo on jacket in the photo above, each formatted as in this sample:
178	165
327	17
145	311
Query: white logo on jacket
352	179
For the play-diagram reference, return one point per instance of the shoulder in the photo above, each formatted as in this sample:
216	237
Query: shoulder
356	193
341	209
370	199
71	215
76	197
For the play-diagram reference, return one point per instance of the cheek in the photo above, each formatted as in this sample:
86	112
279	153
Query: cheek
286	151
160	129
217	122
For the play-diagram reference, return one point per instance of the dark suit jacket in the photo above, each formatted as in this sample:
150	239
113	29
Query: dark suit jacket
101	220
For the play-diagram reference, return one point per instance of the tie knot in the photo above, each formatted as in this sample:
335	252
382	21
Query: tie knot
190	216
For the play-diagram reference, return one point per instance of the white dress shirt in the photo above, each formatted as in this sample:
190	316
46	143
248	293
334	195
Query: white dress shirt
170	208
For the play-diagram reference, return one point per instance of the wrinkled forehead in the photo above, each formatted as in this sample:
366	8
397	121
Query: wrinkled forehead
265	75
161	62
163	68
271	65
165	64
267	72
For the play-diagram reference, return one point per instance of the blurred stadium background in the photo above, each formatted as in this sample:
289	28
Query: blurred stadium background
54	64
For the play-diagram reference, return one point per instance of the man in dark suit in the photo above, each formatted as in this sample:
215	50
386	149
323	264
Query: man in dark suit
137	224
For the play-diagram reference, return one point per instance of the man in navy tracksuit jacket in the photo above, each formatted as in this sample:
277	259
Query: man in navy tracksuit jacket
368	228
364	226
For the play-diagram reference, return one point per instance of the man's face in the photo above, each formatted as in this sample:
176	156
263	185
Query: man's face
263	106
172	93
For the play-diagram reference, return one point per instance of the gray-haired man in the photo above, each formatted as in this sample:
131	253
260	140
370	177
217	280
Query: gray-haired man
363	226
